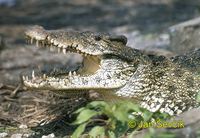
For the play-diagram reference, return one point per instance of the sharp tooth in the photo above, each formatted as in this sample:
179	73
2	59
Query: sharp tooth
43	43
23	77
74	73
86	54
37	43
55	42
59	50
27	78
33	74
64	50
31	40
44	76
70	73
65	46
48	37
60	45
52	40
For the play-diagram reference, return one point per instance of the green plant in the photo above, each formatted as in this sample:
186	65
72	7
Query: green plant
122	117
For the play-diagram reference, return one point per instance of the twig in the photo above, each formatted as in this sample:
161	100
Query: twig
14	93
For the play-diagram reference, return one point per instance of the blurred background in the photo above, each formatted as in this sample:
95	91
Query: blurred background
129	17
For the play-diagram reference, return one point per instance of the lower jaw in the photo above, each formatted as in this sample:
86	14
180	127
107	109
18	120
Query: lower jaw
75	83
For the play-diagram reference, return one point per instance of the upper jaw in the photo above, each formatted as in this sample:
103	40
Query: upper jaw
36	32
87	43
82	43
65	41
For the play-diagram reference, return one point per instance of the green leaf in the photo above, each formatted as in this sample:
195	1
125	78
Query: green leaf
97	104
121	128
166	135
111	134
121	116
120	111
97	132
132	107
162	116
123	111
79	110
79	130
100	104
104	108
147	115
84	116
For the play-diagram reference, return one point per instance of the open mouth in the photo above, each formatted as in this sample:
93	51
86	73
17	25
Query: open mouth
100	69
91	62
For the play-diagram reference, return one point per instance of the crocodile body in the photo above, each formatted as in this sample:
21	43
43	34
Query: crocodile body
118	72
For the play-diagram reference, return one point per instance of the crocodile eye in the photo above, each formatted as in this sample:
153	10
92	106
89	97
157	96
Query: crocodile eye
97	37
119	38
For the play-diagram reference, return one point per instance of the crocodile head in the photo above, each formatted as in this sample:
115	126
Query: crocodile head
156	82
106	63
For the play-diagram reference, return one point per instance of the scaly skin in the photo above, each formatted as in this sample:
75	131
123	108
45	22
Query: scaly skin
118	72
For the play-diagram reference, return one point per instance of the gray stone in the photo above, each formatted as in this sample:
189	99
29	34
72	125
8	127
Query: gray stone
16	136
22	126
185	36
2	135
49	136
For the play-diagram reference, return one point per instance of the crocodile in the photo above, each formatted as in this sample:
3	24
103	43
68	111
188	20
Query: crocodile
118	72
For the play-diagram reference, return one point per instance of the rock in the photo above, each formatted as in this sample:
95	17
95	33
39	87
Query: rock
2	43
22	126
26	135
2	135
185	36
8	3
16	136
49	136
